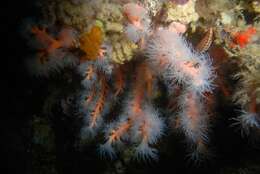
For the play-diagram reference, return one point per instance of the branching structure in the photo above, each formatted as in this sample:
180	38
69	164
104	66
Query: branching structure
159	52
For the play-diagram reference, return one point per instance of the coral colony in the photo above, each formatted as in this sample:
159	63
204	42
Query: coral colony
123	54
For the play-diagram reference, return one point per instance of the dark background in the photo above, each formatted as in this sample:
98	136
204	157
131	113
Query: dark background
24	97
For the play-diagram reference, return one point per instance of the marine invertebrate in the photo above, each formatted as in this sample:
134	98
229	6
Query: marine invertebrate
171	58
139	123
51	51
246	95
248	98
239	36
90	43
138	21
111	16
178	27
243	38
181	63
50	44
125	58
205	43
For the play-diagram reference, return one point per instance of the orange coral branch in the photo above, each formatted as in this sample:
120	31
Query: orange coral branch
117	133
192	109
91	96
143	76
144	132
100	103
139	89
44	38
90	72
120	81
148	78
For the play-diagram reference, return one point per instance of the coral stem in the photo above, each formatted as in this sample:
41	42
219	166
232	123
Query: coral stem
119	83
117	133
100	103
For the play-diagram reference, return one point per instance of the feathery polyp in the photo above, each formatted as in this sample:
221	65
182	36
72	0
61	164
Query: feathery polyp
193	120
178	62
248	121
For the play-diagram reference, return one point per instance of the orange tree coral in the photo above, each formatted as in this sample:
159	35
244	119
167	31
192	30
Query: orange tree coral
164	56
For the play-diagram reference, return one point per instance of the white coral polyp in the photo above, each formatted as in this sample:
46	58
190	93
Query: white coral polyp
183	64
249	120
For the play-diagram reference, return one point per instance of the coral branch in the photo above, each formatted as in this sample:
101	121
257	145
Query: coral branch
193	120
119	81
117	133
100	103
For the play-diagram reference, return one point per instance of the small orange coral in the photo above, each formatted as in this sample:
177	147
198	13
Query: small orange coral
243	38
47	41
49	44
90	43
